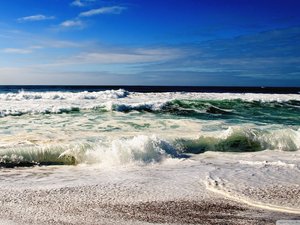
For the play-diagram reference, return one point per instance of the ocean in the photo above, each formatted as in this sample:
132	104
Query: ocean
237	141
66	125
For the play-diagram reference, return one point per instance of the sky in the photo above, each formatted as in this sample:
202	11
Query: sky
150	42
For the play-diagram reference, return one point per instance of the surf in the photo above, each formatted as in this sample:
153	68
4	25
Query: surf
149	149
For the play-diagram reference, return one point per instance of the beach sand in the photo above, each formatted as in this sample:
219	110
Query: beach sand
211	188
62	207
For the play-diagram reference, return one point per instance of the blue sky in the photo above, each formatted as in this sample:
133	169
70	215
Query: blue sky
139	42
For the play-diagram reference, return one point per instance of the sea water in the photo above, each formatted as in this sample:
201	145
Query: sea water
151	144
98	125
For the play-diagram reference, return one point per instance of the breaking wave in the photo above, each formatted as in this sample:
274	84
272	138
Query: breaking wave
243	140
143	149
285	112
137	150
60	95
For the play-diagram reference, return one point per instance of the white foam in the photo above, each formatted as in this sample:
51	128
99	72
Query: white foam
269	137
141	149
267	179
278	163
120	100
59	95
138	150
285	139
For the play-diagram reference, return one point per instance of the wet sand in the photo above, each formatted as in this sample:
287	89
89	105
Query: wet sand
175	192
69	206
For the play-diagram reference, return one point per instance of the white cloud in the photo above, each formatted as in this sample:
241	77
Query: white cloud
72	23
121	56
103	10
61	44
34	76
21	50
81	3
36	47
33	18
17	51
77	3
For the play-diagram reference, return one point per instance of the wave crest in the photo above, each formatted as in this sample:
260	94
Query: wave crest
60	95
243	140
137	150
144	149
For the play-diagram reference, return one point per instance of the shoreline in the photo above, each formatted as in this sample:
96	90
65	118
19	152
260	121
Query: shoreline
173	192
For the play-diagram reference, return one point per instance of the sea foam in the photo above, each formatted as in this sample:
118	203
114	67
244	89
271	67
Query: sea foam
21	103
145	149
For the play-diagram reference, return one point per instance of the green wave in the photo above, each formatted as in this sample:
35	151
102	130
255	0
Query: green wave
40	156
234	143
237	110
150	149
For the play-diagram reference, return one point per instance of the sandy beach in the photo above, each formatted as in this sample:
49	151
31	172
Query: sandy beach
173	192
120	157
144	112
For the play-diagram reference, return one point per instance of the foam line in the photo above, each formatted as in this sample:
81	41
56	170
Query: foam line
215	189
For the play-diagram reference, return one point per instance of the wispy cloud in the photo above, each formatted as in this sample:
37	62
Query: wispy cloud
269	56
33	18
72	23
78	3
78	23
103	10
17	51
31	75
62	44
120	56
21	50
81	3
